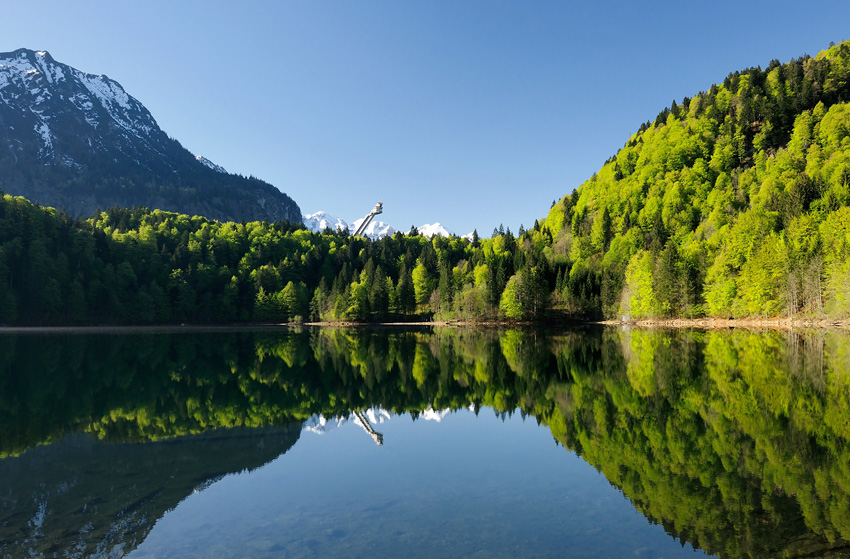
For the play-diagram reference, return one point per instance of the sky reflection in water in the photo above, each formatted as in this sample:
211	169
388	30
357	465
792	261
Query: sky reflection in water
464	487
733	441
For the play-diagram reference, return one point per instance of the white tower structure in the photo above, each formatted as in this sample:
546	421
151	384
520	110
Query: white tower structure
379	208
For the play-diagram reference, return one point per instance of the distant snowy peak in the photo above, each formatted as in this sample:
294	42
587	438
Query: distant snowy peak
319	221
321	425
207	163
431	414
429	230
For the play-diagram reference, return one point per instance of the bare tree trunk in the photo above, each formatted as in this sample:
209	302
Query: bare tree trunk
792	293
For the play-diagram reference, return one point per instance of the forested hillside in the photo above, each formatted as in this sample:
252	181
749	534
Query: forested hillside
733	203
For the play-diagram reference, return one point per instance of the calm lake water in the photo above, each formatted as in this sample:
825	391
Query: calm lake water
425	443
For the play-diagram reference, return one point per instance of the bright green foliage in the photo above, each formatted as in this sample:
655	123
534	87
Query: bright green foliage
147	267
423	283
740	179
510	303
639	294
732	203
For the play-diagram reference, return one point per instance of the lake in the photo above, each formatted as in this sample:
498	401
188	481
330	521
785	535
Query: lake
421	442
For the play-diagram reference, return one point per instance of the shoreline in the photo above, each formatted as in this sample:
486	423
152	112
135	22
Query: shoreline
253	327
671	323
724	323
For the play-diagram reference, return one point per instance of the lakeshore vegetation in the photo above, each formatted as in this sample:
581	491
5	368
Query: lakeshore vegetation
733	203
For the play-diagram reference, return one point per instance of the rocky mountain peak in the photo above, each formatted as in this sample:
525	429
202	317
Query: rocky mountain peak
79	141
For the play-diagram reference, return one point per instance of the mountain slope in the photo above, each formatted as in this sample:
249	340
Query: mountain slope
78	141
732	203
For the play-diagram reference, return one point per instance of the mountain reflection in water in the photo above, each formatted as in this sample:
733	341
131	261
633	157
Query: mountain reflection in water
733	441
84	498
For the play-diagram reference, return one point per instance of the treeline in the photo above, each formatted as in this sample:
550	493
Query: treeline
152	267
732	203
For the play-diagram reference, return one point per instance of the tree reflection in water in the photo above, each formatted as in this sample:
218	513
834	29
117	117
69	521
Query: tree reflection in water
734	441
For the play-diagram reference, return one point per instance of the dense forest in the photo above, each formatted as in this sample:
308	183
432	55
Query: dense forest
733	203
144	267
735	441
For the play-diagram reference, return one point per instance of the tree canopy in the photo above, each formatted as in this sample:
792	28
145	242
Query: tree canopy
733	203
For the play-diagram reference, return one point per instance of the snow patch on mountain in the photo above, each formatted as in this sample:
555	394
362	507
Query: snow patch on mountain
15	68
52	72
207	163
429	230
44	132
108	92
37	73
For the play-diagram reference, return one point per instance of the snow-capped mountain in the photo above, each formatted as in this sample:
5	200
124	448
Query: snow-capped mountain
320	424
317	222
80	141
429	230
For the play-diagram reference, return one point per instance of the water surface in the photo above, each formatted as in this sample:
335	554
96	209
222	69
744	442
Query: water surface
587	443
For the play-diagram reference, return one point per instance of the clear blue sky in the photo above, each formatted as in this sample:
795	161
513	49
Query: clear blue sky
467	113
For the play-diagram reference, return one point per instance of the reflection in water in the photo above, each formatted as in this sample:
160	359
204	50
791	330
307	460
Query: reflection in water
364	422
82	498
734	441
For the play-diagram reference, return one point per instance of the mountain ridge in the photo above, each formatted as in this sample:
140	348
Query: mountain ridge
79	141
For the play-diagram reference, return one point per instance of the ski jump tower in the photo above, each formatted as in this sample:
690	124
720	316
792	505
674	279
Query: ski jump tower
379	208
364	422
